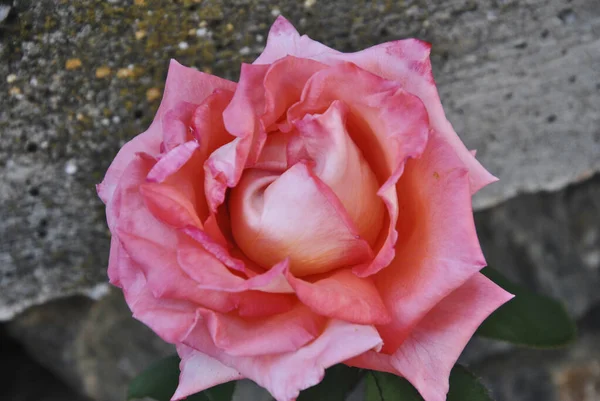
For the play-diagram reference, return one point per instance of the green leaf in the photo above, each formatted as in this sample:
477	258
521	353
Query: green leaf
160	380
339	380
222	392
464	386
388	387
528	319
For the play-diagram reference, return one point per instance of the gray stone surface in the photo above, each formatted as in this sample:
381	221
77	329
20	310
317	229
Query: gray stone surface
521	85
78	79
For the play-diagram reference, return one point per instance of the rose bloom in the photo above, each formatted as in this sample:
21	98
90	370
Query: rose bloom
317	212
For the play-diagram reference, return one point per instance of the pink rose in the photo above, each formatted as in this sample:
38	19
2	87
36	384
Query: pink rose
316	212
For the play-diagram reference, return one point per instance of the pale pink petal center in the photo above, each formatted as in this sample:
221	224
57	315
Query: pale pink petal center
294	215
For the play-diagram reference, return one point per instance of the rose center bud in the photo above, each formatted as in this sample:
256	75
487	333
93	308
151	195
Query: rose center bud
322	216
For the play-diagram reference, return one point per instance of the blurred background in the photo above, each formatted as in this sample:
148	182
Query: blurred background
520	81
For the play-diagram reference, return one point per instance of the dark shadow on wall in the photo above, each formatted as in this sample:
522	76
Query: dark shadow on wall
23	379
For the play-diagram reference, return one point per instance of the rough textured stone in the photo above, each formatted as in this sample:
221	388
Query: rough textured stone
78	79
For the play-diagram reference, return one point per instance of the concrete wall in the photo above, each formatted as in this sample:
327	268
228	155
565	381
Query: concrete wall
520	81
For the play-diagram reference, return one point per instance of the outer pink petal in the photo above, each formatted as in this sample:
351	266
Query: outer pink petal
200	372
126	210
150	245
183	85
147	142
284	40
170	319
426	357
164	277
126	202
294	215
388	124
114	261
438	249
274	334
342	295
286	374
407	61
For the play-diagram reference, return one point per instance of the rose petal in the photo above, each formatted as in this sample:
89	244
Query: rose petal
404	61
285	375
208	126
426	357
183	85
273	156
200	372
241	118
284	40
187	178
127	211
294	215
215	247
170	319
388	124
407	61
275	334
175	125
200	266
205	269
164	277
338	161
437	249
342	295
260	304
224	168
114	261
172	161
283	84
169	205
